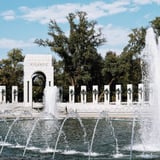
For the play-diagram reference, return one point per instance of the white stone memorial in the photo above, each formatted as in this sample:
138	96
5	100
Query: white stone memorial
140	93
14	94
95	93
129	94
106	94
118	94
71	94
83	94
32	65
60	94
2	94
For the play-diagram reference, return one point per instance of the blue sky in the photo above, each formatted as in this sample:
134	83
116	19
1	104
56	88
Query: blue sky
22	21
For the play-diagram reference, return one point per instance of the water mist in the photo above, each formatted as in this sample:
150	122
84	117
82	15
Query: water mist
150	128
50	98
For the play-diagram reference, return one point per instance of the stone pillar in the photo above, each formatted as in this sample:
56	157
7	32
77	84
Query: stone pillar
129	94
30	94
140	93
60	89
71	94
106	94
2	94
118	94
14	94
83	94
95	94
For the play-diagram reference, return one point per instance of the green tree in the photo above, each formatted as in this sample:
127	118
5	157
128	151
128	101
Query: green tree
130	68
11	71
156	25
130	59
78	50
110	70
61	78
132	53
136	41
59	74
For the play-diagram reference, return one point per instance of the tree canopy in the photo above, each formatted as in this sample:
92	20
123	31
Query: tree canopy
78	50
11	71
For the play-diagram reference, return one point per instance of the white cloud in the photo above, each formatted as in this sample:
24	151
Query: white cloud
116	7
8	15
117	38
147	16
94	9
157	1
59	12
44	14
115	35
11	43
144	2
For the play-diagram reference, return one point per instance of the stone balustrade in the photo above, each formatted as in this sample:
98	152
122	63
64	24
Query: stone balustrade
106	92
83	94
3	94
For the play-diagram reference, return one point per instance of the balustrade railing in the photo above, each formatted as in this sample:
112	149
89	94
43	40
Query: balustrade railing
107	94
95	94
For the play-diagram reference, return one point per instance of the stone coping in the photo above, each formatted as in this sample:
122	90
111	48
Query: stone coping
9	111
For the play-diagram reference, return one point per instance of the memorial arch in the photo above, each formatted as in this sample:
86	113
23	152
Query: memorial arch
36	65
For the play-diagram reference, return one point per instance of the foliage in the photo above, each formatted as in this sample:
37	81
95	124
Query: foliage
110	69
11	71
121	69
136	41
156	25
79	50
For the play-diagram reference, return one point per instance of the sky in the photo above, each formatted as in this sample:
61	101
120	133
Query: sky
23	21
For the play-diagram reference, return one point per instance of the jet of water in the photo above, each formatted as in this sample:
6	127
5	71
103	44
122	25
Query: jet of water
132	137
30	135
70	115
150	132
50	98
101	115
9	130
114	137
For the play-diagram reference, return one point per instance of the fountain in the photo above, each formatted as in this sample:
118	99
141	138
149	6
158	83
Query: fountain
50	98
150	135
43	136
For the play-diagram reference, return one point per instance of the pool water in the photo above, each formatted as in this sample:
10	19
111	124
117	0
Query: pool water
37	139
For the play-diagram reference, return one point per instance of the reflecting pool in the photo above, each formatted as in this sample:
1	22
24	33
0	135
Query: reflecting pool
72	139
